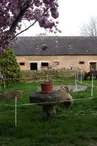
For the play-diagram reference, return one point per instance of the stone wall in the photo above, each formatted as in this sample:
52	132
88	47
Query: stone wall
68	62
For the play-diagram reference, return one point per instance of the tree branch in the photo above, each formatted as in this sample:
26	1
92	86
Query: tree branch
19	17
24	29
29	26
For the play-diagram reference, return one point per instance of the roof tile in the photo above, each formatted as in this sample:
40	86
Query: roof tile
57	45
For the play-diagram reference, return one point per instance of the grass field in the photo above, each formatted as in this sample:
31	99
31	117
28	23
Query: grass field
76	126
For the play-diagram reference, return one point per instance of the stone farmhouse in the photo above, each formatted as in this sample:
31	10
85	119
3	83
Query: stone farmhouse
75	52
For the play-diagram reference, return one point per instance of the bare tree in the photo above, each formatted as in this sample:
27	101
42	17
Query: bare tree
90	29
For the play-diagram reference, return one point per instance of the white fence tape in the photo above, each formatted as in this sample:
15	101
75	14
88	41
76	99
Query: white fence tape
19	105
16	105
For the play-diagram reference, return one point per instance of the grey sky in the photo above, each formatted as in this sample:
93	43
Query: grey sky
73	14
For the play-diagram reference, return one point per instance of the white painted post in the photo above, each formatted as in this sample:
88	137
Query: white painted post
4	84
92	86
76	86
75	81
81	77
75	78
15	111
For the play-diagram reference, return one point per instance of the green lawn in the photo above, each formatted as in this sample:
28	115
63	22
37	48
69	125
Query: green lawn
76	126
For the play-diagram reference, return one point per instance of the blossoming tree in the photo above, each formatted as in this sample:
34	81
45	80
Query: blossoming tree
13	12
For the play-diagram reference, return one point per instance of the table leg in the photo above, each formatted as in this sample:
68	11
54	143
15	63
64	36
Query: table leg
49	109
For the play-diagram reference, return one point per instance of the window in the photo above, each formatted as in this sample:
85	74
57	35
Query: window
44	64
81	62
22	63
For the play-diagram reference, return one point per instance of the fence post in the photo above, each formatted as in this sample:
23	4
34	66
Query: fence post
75	81
4	83
92	86
81	77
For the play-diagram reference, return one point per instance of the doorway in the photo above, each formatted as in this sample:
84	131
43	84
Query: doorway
92	66
33	66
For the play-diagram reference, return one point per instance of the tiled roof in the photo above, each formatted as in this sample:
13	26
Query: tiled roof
57	45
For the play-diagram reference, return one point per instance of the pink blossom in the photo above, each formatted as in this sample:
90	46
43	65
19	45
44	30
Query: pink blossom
12	12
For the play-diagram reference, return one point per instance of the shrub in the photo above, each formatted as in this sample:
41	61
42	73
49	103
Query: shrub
9	67
41	75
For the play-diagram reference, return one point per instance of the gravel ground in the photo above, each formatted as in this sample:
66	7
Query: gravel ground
72	88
